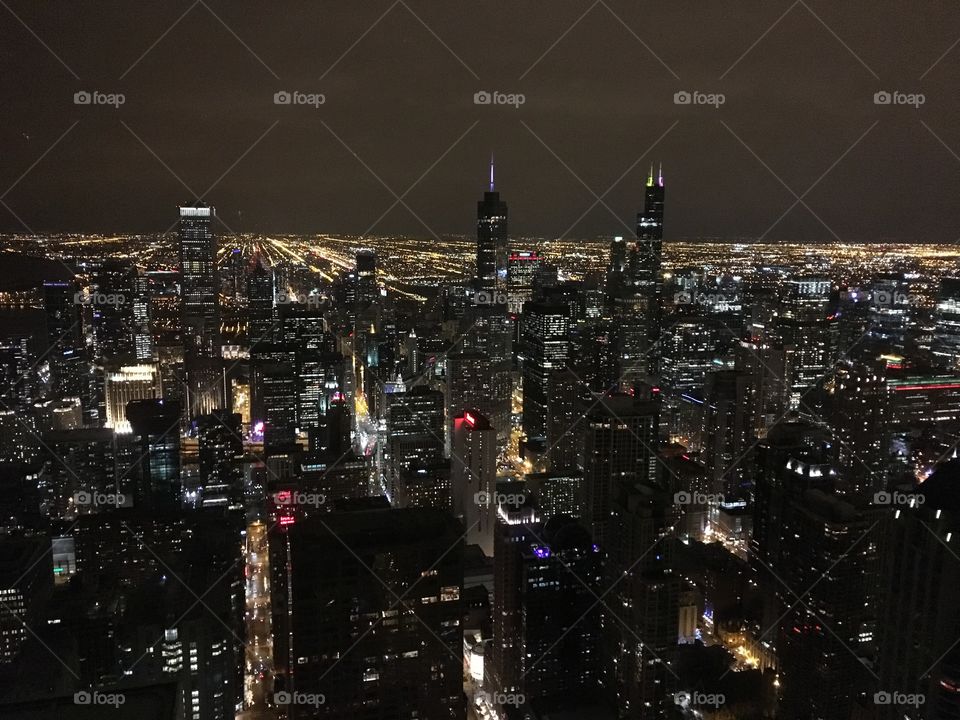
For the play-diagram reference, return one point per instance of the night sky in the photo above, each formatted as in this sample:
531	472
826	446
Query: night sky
401	100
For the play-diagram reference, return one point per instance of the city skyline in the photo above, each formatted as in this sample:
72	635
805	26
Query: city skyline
505	362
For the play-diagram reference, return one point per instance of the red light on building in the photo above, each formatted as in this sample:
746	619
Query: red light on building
470	419
945	386
287	520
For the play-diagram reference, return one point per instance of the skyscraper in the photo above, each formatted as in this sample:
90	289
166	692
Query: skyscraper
492	242
64	336
366	277
473	477
367	613
647	264
544	347
200	298
260	298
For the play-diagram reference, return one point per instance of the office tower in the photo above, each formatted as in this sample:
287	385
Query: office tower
544	347
547	587
917	623
469	384
890	312
641	615
492	244
593	355
857	407
826	642
132	626
502	664
155	425
423	485
367	612
142	318
806	536
473	477
727	434
336	477
260	298
763	362
111	301
556	493
522	269
690	348
18	381
647	262
808	330
221	449
18	441
487	334
415	427
274	389
67	359
26	582
567	398
919	396
333	431
367	291
946	335
200	308
620	444
124	384
79	472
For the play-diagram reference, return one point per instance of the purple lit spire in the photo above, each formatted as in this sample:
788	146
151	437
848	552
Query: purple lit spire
660	177
491	172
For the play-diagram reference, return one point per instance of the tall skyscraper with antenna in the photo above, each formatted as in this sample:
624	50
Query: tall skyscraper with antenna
492	244
648	276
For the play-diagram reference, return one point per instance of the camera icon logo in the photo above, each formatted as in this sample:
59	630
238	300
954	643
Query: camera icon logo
682	97
82	698
682	498
882	498
482	97
282	97
82	498
82	97
282	698
882	97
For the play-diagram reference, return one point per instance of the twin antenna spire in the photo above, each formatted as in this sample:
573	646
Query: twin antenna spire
659	181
